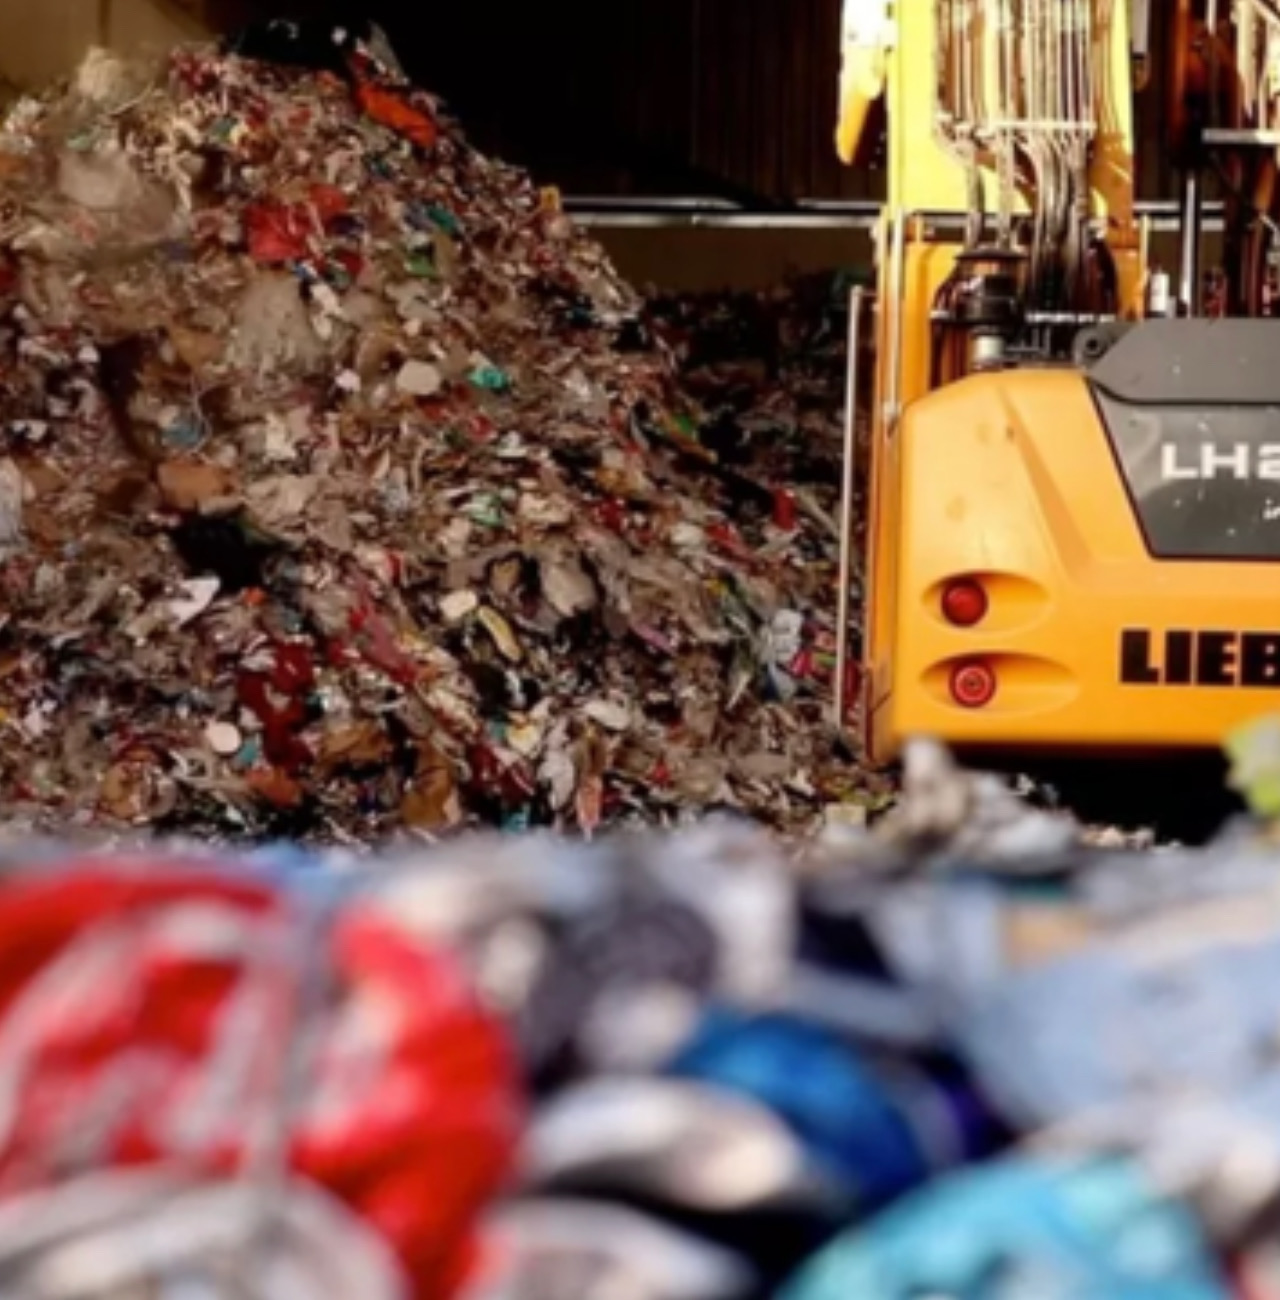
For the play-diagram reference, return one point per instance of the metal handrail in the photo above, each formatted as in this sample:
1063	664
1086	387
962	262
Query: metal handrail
848	486
897	286
806	214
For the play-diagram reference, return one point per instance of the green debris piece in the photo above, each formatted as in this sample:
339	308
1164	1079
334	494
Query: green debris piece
485	511
186	432
421	265
874	801
249	755
490	378
1254	753
337	275
444	219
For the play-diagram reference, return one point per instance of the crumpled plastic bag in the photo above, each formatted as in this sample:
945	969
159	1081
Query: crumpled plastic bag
972	815
560	1248
163	1012
115	1235
602	958
672	1142
1070	1230
846	1117
1254	753
1165	1008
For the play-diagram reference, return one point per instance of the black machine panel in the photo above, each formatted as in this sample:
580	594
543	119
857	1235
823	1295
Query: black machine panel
1192	409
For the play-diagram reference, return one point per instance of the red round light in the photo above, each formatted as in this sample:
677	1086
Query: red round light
972	685
964	603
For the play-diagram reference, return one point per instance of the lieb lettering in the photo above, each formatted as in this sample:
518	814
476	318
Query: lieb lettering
1200	657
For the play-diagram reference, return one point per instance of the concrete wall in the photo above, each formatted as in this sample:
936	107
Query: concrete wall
44	39
694	260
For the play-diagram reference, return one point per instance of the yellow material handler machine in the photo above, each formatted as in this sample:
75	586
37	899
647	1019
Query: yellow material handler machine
1073	509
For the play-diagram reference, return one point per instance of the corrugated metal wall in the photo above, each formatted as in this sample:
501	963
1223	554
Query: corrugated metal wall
661	96
647	96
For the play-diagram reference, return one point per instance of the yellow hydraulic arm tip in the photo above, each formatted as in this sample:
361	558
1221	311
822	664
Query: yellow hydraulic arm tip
854	108
866	35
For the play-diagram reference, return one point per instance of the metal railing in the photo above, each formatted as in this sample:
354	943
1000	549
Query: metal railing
805	214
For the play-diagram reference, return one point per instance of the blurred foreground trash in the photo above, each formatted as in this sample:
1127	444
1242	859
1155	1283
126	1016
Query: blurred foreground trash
1018	1230
181	1015
121	1235
674	1067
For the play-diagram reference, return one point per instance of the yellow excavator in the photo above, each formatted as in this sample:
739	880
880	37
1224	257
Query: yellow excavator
1073	507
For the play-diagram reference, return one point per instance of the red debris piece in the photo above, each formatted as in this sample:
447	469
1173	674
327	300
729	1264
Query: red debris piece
416	1136
329	203
394	109
279	232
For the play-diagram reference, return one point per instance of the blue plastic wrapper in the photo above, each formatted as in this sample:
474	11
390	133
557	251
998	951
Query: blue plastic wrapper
879	1126
819	1087
1021	1231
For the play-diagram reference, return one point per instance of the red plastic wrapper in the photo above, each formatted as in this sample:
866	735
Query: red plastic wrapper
146	1016
280	233
393	107
785	510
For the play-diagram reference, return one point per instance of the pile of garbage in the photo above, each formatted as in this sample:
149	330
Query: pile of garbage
960	1053
345	489
769	370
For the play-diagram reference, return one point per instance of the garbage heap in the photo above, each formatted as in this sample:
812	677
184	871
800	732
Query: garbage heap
768	369
960	1054
345	491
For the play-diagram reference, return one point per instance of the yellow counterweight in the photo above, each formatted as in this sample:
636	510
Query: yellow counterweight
1022	593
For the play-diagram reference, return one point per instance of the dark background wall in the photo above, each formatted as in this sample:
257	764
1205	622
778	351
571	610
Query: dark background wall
734	98
729	97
